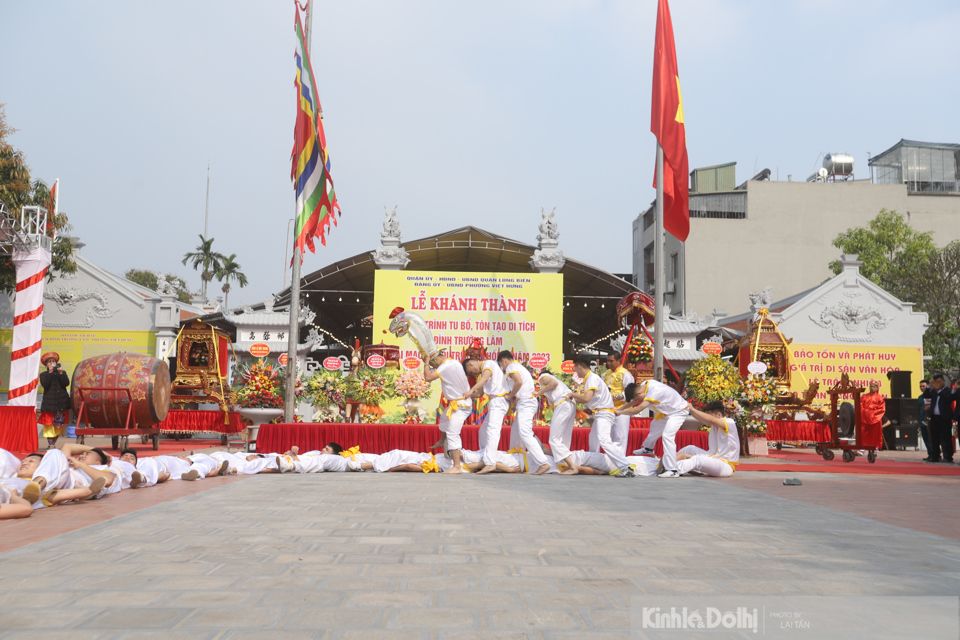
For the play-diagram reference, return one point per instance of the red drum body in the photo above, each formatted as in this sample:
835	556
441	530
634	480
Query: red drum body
147	380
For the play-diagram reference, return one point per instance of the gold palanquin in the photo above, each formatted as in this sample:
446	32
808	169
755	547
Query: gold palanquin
764	343
201	366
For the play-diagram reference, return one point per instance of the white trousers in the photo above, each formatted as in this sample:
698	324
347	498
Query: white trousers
55	469
173	465
489	434
522	433
706	465
124	470
9	464
561	429
150	470
453	425
621	433
666	428
602	426
203	464
397	457
693	450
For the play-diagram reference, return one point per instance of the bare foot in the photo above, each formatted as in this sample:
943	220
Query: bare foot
454	470
487	469
542	470
570	472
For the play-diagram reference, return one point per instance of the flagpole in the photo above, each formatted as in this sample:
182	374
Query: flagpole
658	273
56	200
293	336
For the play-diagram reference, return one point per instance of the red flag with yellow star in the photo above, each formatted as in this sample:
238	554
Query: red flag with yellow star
666	123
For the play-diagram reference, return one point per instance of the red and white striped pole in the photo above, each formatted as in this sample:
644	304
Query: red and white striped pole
31	269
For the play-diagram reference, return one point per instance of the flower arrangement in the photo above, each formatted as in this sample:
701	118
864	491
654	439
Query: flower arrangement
326	388
259	386
369	386
713	379
759	390
411	385
640	350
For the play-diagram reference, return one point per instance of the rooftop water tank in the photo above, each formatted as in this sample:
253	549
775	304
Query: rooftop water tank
838	164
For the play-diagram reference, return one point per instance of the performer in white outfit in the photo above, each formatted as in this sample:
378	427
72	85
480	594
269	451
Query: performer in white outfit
151	472
327	459
203	466
399	460
597	398
174	466
671	412
596	463
132	478
563	419
617	378
525	405
490	378
724	454
455	387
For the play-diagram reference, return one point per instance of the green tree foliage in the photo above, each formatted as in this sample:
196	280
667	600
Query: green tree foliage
205	260
230	270
151	280
17	190
909	265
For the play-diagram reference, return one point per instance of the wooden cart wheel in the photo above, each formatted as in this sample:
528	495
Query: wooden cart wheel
779	446
115	441
79	439
818	449
223	440
848	456
827	454
871	456
144	438
156	441
124	442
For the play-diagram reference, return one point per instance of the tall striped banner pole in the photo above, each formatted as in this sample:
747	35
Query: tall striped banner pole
31	269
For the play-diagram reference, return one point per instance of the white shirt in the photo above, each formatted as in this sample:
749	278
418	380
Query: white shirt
558	393
496	386
663	398
725	444
601	397
526	381
453	380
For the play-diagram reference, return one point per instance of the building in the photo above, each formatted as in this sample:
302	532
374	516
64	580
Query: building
780	233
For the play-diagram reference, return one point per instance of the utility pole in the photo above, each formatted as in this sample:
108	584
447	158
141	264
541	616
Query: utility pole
293	337
206	215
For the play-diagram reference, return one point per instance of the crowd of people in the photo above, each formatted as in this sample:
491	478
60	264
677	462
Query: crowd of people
77	472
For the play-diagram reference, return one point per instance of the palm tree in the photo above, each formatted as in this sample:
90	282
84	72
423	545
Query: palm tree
230	270
206	258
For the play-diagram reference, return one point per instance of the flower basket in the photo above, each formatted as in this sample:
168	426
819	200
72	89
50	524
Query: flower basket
640	351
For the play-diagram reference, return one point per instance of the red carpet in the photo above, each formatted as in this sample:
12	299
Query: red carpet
817	464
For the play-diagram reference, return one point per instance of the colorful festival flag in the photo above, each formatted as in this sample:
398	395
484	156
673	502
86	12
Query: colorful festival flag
316	200
666	123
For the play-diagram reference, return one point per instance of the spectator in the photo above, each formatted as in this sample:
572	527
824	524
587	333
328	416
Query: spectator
55	406
941	420
925	418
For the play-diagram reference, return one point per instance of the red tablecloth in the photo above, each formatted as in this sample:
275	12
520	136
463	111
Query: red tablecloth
798	431
196	421
380	438
18	429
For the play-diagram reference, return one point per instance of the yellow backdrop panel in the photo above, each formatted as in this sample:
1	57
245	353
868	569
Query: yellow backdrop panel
863	363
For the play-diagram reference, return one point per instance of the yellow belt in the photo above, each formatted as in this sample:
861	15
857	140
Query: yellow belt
604	409
554	406
351	453
522	451
658	416
452	407
430	465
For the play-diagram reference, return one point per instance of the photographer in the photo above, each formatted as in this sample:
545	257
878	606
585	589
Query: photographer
55	406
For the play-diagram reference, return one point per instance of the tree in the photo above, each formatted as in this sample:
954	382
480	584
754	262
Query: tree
879	244
909	265
151	280
18	190
205	258
230	270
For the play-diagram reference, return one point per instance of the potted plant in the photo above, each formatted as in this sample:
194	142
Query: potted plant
327	391
259	388
757	398
412	389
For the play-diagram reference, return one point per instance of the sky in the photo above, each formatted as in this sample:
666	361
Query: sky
456	113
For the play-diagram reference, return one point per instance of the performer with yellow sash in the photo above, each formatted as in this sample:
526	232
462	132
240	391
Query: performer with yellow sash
455	387
562	421
616	377
521	393
724	454
672	410
597	397
490	378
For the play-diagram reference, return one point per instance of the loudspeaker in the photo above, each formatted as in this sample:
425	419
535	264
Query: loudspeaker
899	384
904	417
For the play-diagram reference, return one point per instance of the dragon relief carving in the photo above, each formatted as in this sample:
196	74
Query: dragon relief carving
68	299
851	323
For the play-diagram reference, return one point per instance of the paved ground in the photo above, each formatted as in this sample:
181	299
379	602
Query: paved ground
420	556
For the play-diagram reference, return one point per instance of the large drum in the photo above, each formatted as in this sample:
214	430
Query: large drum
146	378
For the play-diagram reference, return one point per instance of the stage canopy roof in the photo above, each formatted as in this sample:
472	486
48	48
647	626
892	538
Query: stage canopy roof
341	294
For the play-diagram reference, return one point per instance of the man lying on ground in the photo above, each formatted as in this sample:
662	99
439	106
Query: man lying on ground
596	463
195	466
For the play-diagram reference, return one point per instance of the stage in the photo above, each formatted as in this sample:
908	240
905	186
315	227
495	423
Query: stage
380	438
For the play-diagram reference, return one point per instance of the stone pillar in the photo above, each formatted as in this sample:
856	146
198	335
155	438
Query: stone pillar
391	256
547	258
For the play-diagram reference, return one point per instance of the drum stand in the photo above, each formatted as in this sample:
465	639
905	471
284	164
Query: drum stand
120	436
